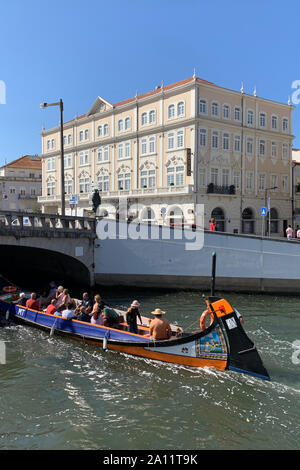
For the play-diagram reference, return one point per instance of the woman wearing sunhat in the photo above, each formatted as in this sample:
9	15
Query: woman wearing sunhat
160	327
131	317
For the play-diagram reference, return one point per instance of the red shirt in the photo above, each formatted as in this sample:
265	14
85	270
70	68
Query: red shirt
33	304
212	227
51	309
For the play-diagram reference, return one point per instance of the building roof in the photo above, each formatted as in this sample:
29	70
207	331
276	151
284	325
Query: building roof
28	162
150	93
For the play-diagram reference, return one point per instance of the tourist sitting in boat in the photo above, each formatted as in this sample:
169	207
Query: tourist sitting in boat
81	314
22	299
51	309
110	317
33	303
68	313
160	327
63	299
131	317
97	318
87	303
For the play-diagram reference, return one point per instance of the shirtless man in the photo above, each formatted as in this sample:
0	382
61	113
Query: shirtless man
160	327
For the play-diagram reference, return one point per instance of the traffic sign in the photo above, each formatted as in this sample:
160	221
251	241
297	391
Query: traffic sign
263	211
73	200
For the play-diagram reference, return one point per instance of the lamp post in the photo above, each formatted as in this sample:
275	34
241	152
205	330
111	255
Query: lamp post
62	163
269	208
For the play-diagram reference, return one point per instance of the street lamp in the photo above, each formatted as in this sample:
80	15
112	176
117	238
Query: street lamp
62	163
269	207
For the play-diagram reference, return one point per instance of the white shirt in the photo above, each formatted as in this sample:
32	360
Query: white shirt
68	314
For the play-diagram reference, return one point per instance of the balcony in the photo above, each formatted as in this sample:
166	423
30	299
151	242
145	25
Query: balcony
216	189
136	193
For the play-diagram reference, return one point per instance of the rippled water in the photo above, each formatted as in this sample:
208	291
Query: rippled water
60	394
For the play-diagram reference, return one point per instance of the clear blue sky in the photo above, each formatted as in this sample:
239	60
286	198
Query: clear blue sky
77	50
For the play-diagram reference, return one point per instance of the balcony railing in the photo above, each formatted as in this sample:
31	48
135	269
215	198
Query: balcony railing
216	189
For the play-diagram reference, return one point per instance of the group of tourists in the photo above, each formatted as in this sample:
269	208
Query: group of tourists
95	311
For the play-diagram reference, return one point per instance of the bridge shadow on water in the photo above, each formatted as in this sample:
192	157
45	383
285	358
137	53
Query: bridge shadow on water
33	268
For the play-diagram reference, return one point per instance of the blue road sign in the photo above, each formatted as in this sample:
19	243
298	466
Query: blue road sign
263	211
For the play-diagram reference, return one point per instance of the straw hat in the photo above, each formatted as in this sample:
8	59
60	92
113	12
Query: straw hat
135	303
158	311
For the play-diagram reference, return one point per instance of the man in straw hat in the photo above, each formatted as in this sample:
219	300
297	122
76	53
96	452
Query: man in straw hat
131	317
160	327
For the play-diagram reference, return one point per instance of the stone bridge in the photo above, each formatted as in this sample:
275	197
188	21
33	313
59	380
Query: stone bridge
45	247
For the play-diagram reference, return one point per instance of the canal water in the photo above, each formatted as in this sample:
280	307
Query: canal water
60	394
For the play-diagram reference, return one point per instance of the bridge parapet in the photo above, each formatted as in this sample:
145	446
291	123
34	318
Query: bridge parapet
46	225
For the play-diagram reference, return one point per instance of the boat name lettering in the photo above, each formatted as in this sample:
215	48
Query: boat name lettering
22	312
185	350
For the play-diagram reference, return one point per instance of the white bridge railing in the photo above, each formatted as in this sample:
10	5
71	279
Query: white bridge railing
16	221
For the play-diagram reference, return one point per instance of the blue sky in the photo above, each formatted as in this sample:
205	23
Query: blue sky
78	50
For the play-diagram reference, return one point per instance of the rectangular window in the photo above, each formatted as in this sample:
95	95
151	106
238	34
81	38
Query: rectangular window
274	149
103	183
236	179
170	140
285	125
121	151
180	140
214	176
127	149
285	151
249	180
274	182
84	158
262	182
285	184
84	185
237	143
202	177
237	114
202	137
152	145
262	120
225	177
274	122
144	146
68	161
249	147
250	118
170	176
226	141
262	147
215	140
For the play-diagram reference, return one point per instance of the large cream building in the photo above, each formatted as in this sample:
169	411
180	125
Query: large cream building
179	145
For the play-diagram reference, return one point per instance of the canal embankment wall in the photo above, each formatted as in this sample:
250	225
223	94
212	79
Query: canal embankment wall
168	260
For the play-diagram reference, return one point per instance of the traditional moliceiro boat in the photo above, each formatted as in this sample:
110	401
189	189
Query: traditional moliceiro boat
222	345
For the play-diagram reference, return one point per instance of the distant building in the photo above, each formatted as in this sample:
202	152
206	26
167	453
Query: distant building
21	184
188	143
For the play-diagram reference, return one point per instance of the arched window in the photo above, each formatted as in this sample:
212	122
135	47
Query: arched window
218	215
120	125
144	119
248	221
171	111
202	107
215	109
127	123
152	116
180	108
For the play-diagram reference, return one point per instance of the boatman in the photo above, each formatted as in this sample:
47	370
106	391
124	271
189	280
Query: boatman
160	327
131	317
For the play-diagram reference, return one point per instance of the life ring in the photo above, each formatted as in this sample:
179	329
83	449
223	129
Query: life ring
9	289
203	318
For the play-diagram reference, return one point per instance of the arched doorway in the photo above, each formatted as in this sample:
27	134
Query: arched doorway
148	215
175	216
248	221
218	215
274	221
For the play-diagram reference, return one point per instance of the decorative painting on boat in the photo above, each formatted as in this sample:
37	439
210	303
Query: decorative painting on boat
212	346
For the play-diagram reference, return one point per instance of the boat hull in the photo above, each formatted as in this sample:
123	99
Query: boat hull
193	350
223	345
